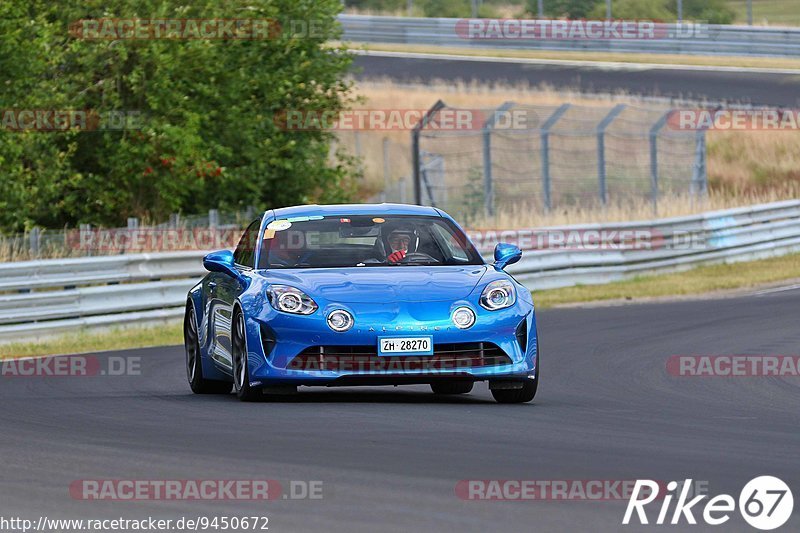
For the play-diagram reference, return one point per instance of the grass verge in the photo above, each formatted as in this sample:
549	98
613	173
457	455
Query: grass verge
86	341
698	281
654	59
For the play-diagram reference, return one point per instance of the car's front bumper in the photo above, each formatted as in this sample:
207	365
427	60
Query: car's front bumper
282	348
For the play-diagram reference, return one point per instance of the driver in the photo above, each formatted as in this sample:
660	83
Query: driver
400	241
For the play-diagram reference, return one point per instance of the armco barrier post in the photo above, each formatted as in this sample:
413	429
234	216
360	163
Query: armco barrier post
545	156
601	149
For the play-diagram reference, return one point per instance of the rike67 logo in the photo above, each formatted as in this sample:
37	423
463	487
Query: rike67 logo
765	503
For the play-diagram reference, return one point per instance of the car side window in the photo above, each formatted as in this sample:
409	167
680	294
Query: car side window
245	253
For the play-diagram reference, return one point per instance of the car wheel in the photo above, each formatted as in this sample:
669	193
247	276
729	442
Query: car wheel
521	395
241	370
529	386
452	387
194	366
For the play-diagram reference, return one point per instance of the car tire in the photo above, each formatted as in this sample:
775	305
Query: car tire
452	387
241	370
529	387
194	365
521	395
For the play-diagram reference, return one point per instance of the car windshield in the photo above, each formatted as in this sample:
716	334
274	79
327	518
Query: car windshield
365	241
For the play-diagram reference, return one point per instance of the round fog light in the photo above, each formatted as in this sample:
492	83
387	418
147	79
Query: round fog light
463	317
340	320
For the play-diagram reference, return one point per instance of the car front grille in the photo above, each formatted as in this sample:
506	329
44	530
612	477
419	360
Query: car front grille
453	356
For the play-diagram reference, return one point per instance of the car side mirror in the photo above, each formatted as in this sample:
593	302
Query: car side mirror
222	261
506	254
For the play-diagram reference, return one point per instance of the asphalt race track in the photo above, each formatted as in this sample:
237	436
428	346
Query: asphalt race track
757	88
389	459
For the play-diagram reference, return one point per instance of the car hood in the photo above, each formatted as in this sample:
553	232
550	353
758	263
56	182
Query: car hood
382	284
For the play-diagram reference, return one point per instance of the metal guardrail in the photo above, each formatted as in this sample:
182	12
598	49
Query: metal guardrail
55	296
713	40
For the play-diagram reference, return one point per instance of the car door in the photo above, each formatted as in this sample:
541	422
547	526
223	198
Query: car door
223	291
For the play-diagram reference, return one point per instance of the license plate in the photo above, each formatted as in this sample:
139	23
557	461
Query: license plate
405	345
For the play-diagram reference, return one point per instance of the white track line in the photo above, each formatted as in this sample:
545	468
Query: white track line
599	65
778	289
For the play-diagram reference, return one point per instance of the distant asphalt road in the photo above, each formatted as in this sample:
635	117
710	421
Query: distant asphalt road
757	88
390	459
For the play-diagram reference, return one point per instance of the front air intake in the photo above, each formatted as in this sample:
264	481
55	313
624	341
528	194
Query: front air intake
522	335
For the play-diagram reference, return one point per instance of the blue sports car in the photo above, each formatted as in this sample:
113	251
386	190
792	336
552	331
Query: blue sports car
338	295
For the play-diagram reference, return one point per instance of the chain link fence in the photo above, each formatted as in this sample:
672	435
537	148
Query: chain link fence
181	232
545	157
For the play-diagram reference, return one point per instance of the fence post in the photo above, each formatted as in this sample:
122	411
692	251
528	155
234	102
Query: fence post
488	182
545	151
213	218
601	148
654	158
133	225
385	168
700	172
402	186
85	238
34	239
415	155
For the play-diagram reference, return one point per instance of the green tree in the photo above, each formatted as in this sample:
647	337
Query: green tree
637	9
208	135
711	11
572	9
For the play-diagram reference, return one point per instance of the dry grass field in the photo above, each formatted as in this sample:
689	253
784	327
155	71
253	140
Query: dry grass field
744	167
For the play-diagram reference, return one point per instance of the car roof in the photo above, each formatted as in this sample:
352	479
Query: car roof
355	209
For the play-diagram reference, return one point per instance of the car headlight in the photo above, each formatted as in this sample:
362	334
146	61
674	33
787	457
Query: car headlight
463	317
498	295
290	300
